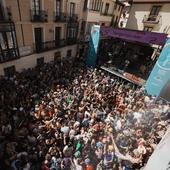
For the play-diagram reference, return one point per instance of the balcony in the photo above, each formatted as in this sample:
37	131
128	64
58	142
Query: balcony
105	14
9	47
60	17
73	18
39	16
6	15
50	45
71	41
8	55
151	19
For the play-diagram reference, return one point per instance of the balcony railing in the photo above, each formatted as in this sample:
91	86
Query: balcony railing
50	45
73	18
39	16
105	14
71	41
60	17
151	19
8	55
6	14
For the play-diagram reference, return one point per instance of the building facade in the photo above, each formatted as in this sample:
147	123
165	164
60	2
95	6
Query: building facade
100	12
150	15
37	31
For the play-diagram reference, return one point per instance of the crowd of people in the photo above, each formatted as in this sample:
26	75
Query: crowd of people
64	116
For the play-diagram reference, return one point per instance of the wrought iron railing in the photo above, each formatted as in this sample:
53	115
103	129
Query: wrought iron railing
73	17
39	16
60	17
50	45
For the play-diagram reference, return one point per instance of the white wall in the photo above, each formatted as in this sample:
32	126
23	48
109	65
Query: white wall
31	60
138	11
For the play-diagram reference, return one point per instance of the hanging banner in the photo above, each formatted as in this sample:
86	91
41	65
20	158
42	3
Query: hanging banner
134	35
160	159
160	73
93	45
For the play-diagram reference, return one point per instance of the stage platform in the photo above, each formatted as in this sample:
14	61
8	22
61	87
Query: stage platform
126	76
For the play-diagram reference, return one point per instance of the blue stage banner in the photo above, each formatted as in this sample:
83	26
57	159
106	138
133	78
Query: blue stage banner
160	74
93	45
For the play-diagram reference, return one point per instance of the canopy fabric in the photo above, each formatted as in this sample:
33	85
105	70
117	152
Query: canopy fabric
135	35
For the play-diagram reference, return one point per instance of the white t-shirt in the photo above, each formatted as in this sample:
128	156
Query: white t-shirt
77	166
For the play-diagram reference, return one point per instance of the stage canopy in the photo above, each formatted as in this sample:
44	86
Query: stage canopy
134	35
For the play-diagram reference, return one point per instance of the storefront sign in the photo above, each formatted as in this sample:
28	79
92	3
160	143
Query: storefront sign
133	35
160	74
93	45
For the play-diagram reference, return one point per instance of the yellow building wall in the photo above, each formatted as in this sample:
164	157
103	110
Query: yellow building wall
138	11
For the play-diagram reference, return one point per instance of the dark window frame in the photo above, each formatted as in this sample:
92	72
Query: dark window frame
158	7
10	71
40	61
8	47
107	5
36	8
69	53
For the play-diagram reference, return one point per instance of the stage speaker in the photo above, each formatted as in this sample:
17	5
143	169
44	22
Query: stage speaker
165	92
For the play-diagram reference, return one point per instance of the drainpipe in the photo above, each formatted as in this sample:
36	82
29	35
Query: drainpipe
20	18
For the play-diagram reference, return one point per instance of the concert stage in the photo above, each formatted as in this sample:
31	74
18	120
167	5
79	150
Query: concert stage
124	75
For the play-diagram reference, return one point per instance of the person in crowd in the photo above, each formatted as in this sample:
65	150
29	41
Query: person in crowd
69	117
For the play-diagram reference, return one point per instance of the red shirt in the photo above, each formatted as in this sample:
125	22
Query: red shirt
89	167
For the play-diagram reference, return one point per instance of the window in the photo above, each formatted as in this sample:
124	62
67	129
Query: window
115	6
95	5
38	34
85	5
9	71
147	29
40	61
57	56
116	22
119	8
36	6
72	33
1	11
8	43
113	19
154	13
155	10
69	53
106	8
57	33
83	26
58	7
72	9
101	8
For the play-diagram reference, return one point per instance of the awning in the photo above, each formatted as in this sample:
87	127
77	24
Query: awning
134	35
